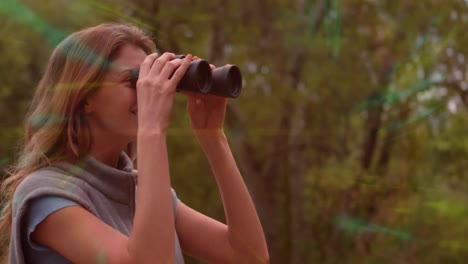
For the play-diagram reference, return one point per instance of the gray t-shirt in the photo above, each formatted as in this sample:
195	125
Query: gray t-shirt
42	207
108	193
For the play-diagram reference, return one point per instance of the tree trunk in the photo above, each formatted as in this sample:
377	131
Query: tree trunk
297	168
389	141
373	122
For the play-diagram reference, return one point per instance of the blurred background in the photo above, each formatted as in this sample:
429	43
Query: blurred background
350	132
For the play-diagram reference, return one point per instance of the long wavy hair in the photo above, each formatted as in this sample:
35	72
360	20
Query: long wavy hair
55	126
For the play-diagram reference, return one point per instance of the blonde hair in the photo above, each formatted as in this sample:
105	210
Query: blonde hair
55	125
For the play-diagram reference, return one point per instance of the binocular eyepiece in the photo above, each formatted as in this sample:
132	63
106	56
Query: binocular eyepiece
225	81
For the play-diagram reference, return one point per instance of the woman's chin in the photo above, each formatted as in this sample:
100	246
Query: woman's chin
133	135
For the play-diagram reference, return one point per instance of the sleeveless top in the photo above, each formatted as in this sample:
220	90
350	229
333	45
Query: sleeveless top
106	192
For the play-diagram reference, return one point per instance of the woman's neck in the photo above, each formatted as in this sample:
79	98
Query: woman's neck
107	146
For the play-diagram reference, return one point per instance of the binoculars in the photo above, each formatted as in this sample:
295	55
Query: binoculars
225	81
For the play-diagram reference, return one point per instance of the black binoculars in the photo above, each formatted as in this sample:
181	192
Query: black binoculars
225	81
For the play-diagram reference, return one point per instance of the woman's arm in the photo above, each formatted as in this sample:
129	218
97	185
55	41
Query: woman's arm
153	234
245	232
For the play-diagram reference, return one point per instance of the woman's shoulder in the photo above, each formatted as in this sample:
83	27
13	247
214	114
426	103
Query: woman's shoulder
46	177
49	181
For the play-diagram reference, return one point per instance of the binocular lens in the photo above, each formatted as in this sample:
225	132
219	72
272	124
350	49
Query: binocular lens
227	81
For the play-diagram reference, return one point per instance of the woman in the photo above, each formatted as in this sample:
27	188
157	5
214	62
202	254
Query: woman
72	196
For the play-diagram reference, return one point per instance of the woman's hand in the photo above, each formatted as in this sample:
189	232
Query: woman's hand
207	111
156	87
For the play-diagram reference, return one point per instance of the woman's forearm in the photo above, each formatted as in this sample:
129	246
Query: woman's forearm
245	231
153	234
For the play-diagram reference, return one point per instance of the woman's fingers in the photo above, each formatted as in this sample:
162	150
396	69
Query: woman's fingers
153	64
169	68
147	63
160	62
182	69
166	67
